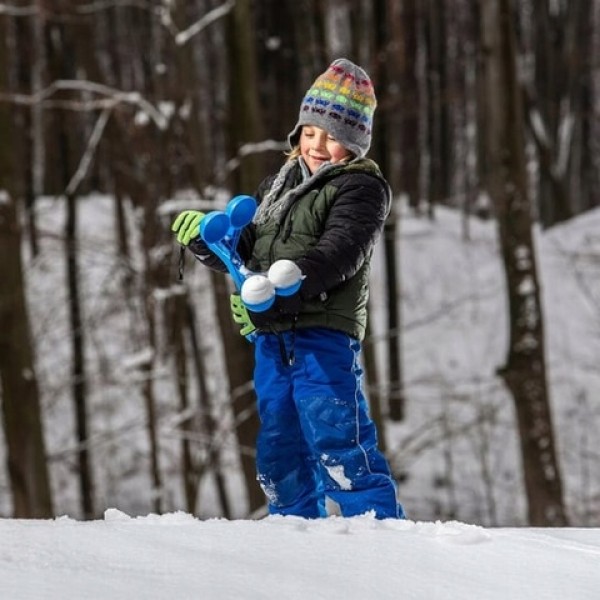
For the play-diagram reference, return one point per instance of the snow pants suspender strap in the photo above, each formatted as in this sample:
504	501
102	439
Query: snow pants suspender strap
288	359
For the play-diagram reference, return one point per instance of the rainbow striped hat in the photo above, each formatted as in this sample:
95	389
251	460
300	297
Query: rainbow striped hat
342	102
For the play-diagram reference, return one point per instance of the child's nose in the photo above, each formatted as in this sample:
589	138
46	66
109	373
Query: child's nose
318	142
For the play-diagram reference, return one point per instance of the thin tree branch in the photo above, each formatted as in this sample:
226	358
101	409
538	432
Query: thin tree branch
87	157
113	97
254	148
16	11
101	5
183	37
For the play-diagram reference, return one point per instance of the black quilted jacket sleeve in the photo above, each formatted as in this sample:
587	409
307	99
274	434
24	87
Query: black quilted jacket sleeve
353	226
201	251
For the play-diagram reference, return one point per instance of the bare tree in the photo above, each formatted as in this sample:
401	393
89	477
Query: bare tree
239	363
245	120
245	126
61	57
27	468
338	30
389	54
26	455
525	370
555	95
208	423
438	111
409	128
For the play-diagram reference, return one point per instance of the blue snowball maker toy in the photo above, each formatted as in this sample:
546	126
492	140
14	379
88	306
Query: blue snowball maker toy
221	232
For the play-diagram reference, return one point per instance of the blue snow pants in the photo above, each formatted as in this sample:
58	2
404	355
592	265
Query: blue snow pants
316	439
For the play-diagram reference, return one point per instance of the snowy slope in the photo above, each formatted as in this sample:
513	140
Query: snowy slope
178	557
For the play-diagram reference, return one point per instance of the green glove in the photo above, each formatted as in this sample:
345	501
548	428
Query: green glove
240	315
187	226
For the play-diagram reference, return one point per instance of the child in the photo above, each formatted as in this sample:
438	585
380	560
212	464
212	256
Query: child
317	446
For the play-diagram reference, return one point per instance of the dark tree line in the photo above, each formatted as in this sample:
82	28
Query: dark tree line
484	105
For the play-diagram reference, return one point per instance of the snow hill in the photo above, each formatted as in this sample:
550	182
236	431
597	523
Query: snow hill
181	558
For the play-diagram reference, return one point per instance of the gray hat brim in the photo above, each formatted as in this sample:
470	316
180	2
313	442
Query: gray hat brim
293	137
293	140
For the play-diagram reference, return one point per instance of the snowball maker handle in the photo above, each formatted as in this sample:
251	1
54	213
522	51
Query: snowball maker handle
221	231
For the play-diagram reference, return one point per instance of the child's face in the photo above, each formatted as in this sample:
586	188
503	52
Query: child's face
318	147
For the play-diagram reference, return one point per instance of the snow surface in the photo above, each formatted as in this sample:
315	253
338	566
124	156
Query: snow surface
179	557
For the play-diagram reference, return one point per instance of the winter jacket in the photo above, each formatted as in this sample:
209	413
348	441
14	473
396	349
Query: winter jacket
329	229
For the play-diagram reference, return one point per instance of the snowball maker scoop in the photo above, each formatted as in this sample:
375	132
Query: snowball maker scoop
221	231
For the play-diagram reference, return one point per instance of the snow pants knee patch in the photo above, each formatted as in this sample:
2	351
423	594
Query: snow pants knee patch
286	468
354	473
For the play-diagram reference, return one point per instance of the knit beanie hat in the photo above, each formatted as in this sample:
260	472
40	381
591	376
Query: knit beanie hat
342	102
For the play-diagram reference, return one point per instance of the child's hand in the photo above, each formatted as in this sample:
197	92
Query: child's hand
240	315
187	226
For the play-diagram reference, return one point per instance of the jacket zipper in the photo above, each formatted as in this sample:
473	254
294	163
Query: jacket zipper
286	232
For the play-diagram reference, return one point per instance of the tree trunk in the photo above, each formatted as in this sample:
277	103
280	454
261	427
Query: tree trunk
245	126
409	130
24	117
62	66
239	364
187	95
387	120
556	98
338	28
177	308
151	281
26	455
374	386
213	457
21	412
244	112
438	127
78	372
525	369
279	70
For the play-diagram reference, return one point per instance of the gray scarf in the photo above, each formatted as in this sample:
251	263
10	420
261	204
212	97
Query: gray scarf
275	205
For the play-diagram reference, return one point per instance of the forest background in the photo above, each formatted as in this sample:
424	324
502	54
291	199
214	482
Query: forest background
123	385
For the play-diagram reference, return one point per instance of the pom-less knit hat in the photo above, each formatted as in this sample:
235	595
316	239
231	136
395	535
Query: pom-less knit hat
341	101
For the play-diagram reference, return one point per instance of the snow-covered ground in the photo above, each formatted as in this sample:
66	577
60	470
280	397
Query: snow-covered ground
181	558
